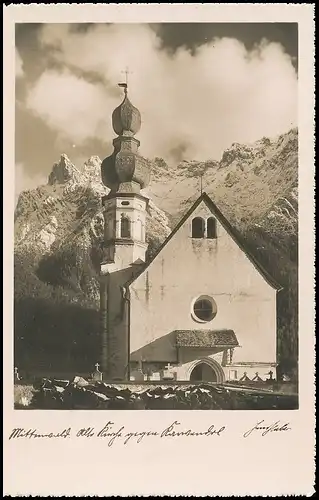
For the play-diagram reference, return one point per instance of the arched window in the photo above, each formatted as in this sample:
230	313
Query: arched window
125	227
211	228
198	228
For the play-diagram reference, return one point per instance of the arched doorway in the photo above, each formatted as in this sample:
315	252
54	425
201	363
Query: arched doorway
207	371
202	372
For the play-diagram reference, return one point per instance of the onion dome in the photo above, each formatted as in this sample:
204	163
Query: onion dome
126	119
126	170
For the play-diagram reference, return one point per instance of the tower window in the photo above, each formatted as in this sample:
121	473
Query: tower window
125	227
198	228
211	228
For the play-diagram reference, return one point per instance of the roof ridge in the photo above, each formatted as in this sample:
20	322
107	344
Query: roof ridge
234	233
169	237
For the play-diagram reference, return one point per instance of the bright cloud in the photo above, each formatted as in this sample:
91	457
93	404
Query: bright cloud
196	103
71	105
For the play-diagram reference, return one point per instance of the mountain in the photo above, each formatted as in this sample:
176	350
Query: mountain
61	225
59	228
245	184
58	234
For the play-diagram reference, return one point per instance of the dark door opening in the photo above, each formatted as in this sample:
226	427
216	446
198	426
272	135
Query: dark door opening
203	372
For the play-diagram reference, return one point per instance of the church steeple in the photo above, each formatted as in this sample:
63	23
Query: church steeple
125	172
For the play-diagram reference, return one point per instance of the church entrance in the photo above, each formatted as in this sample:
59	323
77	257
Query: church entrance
203	372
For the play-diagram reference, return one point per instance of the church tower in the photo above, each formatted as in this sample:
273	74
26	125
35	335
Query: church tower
125	172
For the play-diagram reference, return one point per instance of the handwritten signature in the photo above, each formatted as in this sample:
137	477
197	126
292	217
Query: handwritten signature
266	429
19	432
111	435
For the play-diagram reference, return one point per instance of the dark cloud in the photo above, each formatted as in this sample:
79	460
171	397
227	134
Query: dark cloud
35	58
84	27
191	35
178	153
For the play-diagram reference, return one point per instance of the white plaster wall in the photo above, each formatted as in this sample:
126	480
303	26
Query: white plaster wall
117	328
250	370
187	268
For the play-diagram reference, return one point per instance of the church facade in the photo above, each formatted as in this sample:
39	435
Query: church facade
202	309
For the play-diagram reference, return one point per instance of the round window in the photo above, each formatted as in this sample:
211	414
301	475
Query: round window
204	309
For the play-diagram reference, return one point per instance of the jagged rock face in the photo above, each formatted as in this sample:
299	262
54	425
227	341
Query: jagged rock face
63	172
246	184
252	185
63	222
282	218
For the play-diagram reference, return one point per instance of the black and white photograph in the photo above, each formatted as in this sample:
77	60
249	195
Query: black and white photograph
159	249
156	216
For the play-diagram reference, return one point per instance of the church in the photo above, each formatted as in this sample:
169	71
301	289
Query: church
202	309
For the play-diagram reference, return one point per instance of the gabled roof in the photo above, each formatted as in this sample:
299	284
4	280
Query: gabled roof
229	229
206	338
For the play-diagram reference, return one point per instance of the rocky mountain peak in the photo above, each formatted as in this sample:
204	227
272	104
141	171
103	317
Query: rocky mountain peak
92	168
65	216
254	185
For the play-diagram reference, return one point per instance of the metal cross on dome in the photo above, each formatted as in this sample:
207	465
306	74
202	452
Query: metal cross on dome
127	72
125	85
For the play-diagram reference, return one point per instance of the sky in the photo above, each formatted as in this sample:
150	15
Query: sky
199	88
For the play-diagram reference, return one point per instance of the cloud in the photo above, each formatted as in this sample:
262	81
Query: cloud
193	105
19	66
24	180
71	105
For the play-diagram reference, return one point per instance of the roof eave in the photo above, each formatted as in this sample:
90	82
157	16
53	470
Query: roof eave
227	226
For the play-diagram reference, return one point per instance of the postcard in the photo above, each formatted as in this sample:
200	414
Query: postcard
159	250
